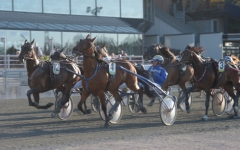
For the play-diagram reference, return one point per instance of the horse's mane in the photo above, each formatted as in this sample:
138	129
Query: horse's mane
167	53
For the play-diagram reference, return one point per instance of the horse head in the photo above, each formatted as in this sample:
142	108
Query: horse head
151	52
101	52
235	59
189	56
84	47
27	51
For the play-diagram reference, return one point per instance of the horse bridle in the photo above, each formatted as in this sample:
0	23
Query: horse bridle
26	56
86	49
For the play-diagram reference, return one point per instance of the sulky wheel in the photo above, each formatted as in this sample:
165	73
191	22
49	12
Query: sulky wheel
95	103
133	105
182	103
67	110
229	103
218	103
167	110
117	114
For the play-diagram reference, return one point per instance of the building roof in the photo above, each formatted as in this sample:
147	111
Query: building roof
59	22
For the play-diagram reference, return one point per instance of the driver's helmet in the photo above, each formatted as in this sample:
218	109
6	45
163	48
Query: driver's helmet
228	59
159	58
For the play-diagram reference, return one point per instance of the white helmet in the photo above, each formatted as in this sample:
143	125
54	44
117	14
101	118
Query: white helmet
158	57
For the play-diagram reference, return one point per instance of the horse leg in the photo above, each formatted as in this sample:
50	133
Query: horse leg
235	105
83	99
35	92
187	91
101	96
229	88
118	100
208	92
36	99
183	87
136	88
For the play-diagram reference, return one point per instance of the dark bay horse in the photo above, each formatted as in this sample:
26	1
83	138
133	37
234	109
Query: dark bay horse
174	69
205	76
39	78
231	74
98	80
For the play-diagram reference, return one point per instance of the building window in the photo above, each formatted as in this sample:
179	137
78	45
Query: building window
132	8
6	5
56	6
82	7
215	26
109	8
70	39
27	5
15	39
109	39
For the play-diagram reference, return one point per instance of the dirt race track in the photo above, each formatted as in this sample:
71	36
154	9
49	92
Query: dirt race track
24	127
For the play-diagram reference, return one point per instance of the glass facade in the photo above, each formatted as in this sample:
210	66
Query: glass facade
14	40
66	35
82	7
6	5
27	5
130	43
131	8
56	6
107	8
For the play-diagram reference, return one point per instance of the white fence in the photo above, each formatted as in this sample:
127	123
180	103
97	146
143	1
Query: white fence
12	62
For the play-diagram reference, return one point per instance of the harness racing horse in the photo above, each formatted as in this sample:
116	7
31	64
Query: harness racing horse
205	76
174	69
39	79
230	77
97	80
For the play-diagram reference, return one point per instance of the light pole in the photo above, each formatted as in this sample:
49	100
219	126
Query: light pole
51	43
5	63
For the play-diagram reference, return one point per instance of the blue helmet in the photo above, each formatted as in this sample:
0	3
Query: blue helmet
228	59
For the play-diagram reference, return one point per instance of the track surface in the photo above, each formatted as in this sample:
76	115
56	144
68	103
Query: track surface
24	127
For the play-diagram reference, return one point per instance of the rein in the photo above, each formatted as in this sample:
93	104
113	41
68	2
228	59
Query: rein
201	76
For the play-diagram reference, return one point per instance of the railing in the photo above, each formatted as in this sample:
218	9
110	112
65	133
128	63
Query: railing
12	62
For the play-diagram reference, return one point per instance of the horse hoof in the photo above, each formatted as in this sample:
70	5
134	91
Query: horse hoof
143	110
110	117
106	125
88	111
205	118
188	110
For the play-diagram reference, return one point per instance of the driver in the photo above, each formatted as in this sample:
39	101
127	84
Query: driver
157	72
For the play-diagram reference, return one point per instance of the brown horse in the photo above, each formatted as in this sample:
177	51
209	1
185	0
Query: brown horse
39	76
231	74
205	76
174	69
97	80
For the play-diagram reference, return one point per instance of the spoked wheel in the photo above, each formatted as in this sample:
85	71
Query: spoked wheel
229	103
95	103
125	98
117	114
167	110
67	110
182	103
133	105
218	103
